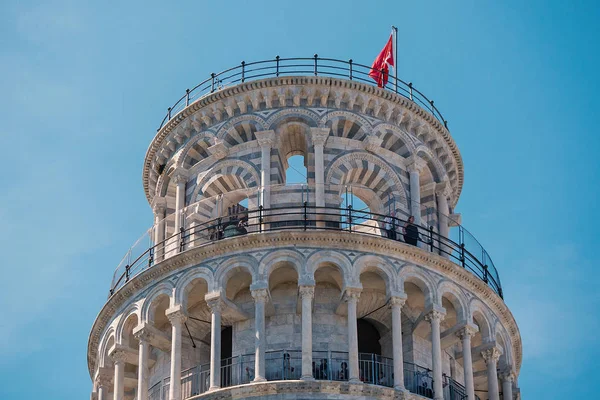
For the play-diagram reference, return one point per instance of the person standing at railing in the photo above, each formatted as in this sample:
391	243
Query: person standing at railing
411	231
390	226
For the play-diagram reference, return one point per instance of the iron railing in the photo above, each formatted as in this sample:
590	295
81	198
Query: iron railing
469	255
327	365
304	66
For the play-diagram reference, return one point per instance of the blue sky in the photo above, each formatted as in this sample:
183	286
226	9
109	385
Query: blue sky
84	87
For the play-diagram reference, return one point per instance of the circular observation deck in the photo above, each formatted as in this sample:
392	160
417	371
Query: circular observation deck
249	286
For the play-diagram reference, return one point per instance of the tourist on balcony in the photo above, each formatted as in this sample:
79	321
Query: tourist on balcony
343	374
411	231
390	226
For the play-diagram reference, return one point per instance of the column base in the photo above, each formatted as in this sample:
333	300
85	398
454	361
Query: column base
355	381
212	388
259	379
307	378
400	389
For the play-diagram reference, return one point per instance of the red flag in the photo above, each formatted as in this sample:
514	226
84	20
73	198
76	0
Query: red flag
379	69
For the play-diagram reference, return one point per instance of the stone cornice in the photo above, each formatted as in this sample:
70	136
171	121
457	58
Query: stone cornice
315	239
210	102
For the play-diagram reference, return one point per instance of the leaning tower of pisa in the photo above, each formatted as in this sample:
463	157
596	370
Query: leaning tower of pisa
357	282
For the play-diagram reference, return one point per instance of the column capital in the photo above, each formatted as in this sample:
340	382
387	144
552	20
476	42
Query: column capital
306	291
352	294
218	150
372	143
468	330
491	354
265	138
319	136
415	163
159	205
143	334
507	375
104	377
214	302
176	314
260	295
435	314
398	300
180	175
443	189
118	354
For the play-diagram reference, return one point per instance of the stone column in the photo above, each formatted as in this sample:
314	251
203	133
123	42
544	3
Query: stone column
415	166
397	302
159	206
143	336
215	304
177	318
435	317
180	179
442	193
491	357
103	381
465	335
260	298
119	357
319	137
351	296
507	384
266	139
307	293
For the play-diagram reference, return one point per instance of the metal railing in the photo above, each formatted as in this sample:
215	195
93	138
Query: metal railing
308	217
304	66
280	365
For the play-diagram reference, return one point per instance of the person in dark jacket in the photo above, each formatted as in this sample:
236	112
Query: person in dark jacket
411	232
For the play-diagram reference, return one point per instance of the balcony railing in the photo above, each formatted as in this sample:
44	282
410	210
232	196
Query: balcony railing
281	365
303	66
464	250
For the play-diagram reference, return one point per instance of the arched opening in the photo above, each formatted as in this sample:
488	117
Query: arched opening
368	338
328	291
296	172
157	318
359	208
479	365
284	355
130	341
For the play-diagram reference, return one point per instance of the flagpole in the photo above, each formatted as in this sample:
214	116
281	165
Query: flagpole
395	51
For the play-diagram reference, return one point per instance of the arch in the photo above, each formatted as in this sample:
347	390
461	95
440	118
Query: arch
233	264
164	288
268	264
376	264
198	143
133	309
345	124
245	172
104	342
196	272
391	135
358	119
480	315
257	120
507	346
317	259
454	294
422	279
377	175
305	115
435	167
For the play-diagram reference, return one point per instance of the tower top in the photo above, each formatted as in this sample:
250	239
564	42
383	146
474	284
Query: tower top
320	84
